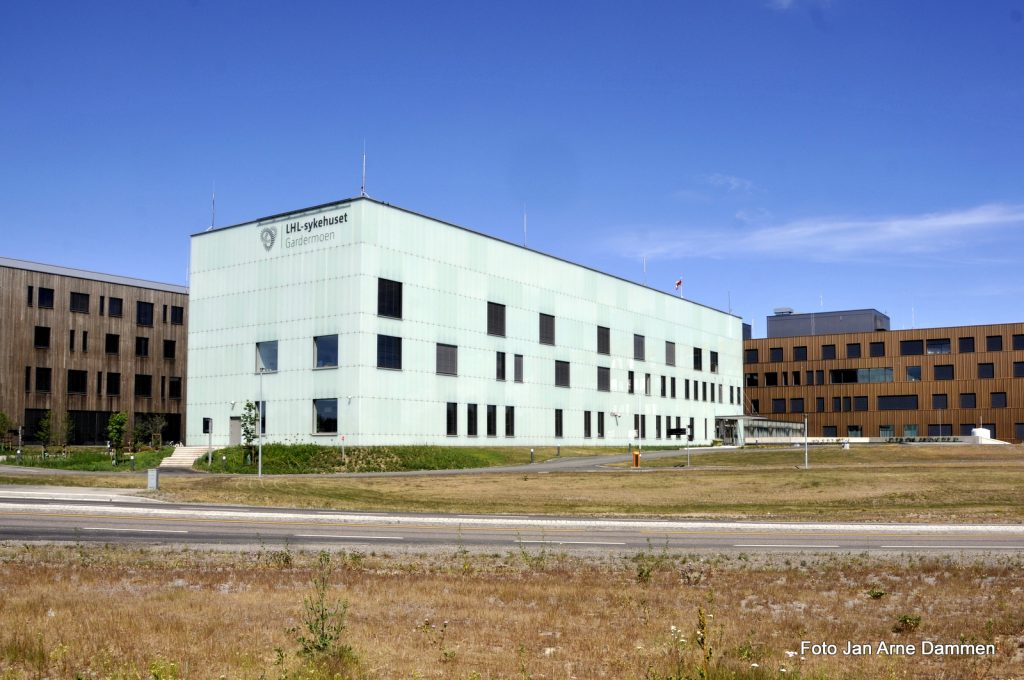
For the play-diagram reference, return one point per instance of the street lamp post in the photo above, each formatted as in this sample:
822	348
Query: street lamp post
259	430
807	463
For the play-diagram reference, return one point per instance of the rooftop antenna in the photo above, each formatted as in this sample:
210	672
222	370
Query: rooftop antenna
645	269
213	207
729	293
362	188
524	224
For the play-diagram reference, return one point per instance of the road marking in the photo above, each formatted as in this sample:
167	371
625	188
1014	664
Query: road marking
368	538
781	545
575	542
957	547
150	531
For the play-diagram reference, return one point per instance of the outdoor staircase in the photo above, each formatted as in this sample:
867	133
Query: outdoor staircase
183	457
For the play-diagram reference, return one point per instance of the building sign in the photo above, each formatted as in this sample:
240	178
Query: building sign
301	233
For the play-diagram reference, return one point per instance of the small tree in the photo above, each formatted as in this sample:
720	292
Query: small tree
148	429
54	431
116	426
6	425
250	421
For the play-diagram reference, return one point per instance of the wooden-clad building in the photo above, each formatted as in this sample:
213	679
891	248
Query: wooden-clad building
924	382
83	345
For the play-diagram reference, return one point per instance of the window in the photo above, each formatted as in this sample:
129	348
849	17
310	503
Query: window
800	353
452	419
1018	341
939	401
672	383
828	351
113	384
914	373
714	362
968	400
41	337
819	404
775	354
85	341
664	386
495	319
604	343
45	298
177	315
944	372
810	377
986	370
965	345
853	350
510	421
30	296
558	422
547	329
1018	431
499	365
910	431
840	376
600	424
778	405
647	384
630	386
80	303
115	307
639	347
796	405
561	374
1018	369
657	427
994	343
143	385
389	352
698	359
829	431
103	305
854	431
143	313
750	356
670	353
471	420
174	388
940	430
492	420
750	379
71	341
517	368
604	379
755	406
686	387
796	377
904	402
771	379
938	346
819	377
44	378
389	298
886	431
876	349
704	391
165	313
998	399
112	345
586	424
911	347
77	382
447	359
142	347
860	403
325	416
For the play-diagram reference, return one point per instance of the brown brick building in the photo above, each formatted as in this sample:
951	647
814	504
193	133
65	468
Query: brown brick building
84	345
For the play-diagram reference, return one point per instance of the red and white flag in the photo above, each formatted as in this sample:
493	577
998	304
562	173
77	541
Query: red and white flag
679	284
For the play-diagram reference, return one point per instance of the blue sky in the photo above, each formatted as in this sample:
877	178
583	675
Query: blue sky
804	153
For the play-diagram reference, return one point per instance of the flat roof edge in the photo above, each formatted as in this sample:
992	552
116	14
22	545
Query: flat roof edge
87	275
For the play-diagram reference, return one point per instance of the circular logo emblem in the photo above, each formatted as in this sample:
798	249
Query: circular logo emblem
268	236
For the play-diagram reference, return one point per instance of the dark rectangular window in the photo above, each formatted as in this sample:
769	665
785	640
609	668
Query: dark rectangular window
112	345
775	354
837	404
325	351
85	341
913	373
77	382
174	388
938	346
1018	341
389	298
853	350
115	307
819	377
471	420
755	406
558	422
113	384
492	420
994	343
143	385
657	427
141	347
750	356
986	370
944	372
686	388
639	347
41	337
600	424
940	430
810	377
751	379
630	382
828	351
30	296
998	399
670	353
165	315
103	305
968	400
771	379
45	298
517	368
900	402
778	405
71	341
939	401
647	384
546	333
389	352
876	349
452	419
1018	369
860	403
143	313
495	319
796	405
447	359
510	421
704	391
499	365
44	379
714	361
80	303
561	374
664	386
604	341
698	359
909	348
829	431
819	404
177	315
586	424
325	416
800	353
672	382
965	345
604	379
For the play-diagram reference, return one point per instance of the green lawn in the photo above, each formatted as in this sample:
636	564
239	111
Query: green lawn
87	459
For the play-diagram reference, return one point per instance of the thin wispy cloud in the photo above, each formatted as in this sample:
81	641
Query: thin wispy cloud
928	236
730	183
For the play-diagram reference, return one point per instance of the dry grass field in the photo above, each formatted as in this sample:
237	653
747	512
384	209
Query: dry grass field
102	612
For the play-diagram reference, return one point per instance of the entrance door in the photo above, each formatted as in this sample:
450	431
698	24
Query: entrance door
235	433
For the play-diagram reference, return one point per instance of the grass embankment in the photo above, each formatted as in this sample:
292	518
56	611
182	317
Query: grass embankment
864	456
79	611
87	459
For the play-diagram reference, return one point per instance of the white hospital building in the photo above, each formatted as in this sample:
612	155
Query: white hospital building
361	320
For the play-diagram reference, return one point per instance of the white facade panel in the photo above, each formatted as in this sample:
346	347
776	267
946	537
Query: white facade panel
305	274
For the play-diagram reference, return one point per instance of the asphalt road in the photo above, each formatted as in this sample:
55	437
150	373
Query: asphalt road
110	516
